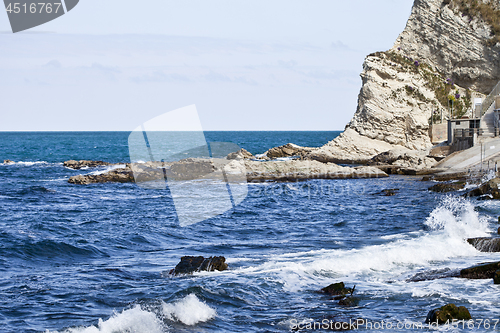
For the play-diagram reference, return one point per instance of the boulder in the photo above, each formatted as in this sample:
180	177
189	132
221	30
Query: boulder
190	265
349	301
337	289
72	164
482	271
447	313
240	154
389	192
8	162
447	187
288	150
496	277
485	244
404	158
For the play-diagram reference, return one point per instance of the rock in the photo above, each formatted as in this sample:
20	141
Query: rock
72	164
121	175
459	177
488	188
447	313
447	187
482	271
349	301
389	192
498	230
241	154
337	289
485	244
496	277
8	162
189	265
404	158
288	150
434	275
294	170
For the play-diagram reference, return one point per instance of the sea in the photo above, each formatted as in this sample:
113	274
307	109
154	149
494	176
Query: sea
96	258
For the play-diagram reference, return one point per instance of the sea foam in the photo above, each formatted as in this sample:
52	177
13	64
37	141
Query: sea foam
189	310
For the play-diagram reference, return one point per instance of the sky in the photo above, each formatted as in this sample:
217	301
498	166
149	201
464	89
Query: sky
246	65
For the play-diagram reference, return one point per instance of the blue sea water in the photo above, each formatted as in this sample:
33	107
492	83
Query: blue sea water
95	258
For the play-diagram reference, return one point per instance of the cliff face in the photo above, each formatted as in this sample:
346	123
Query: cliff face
447	51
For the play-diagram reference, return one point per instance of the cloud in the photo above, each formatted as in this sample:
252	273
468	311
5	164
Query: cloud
160	76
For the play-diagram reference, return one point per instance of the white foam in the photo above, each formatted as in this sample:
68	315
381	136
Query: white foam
107	169
133	320
189	310
26	163
450	224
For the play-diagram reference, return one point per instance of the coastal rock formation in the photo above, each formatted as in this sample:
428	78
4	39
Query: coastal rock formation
190	265
8	162
240	154
448	51
304	169
490	188
337	289
485	244
235	170
72	164
447	313
482	271
288	150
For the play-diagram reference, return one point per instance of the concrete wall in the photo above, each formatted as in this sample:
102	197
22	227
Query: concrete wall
439	132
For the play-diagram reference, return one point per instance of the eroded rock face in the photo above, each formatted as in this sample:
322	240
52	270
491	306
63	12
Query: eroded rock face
190	265
440	49
241	154
485	244
121	175
72	164
490	188
482	271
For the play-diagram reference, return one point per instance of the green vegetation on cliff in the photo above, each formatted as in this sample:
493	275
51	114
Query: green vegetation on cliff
488	11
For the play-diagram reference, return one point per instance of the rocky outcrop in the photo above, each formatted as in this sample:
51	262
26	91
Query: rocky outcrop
240	154
8	162
482	271
190	265
303	169
444	49
447	187
489	188
121	175
72	164
447	313
485	244
254	171
288	150
337	289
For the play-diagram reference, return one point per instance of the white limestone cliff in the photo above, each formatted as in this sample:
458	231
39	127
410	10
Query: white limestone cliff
441	53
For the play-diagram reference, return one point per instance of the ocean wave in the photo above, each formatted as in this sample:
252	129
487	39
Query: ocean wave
135	320
30	163
189	311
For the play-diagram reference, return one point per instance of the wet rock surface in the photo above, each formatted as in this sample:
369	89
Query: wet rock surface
447	313
447	187
485	244
72	164
190	265
481	271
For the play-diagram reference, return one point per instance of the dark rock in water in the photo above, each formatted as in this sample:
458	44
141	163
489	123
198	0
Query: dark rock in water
349	301
122	175
447	313
447	187
496	277
482	271
460	177
498	231
336	289
489	188
434	275
8	162
189	265
72	164
389	192
485	244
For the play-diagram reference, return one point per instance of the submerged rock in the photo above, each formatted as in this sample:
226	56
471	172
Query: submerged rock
122	175
337	289
482	271
389	192
434	275
72	164
190	265
447	313
485	244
